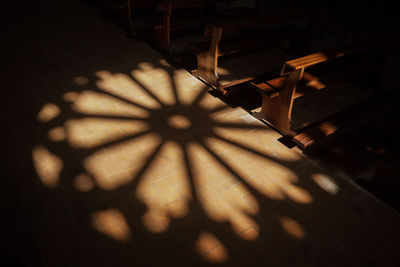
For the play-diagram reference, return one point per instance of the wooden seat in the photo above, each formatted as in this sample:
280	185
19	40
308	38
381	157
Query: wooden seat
127	12
222	43
278	94
169	23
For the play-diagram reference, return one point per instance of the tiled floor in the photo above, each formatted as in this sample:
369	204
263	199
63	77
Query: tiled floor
116	158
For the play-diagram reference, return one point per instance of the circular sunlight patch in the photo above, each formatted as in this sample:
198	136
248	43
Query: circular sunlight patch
179	122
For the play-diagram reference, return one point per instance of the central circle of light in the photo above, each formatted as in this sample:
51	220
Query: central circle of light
179	122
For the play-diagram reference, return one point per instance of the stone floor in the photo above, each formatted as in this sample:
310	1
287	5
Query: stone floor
115	157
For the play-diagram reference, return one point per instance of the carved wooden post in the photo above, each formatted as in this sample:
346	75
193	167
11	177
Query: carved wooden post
130	8
278	108
286	98
207	61
162	32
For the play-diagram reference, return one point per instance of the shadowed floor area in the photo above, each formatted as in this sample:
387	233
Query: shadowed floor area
115	157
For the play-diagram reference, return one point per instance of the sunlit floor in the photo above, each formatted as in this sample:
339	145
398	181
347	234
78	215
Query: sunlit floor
124	160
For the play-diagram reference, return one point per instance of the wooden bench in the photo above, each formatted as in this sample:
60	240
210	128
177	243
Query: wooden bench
127	12
162	31
279	94
222	44
136	6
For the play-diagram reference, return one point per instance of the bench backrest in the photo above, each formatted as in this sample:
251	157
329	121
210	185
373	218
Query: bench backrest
257	21
143	3
317	58
178	4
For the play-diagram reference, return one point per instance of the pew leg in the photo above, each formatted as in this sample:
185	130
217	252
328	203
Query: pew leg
206	69
130	8
162	35
278	109
207	62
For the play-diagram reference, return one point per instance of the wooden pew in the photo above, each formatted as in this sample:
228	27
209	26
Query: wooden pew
136	6
162	31
279	94
222	44
127	12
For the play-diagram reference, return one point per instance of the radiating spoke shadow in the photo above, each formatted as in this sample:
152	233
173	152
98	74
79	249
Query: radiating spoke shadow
171	175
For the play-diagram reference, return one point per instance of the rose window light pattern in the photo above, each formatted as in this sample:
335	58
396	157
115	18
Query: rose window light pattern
157	137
